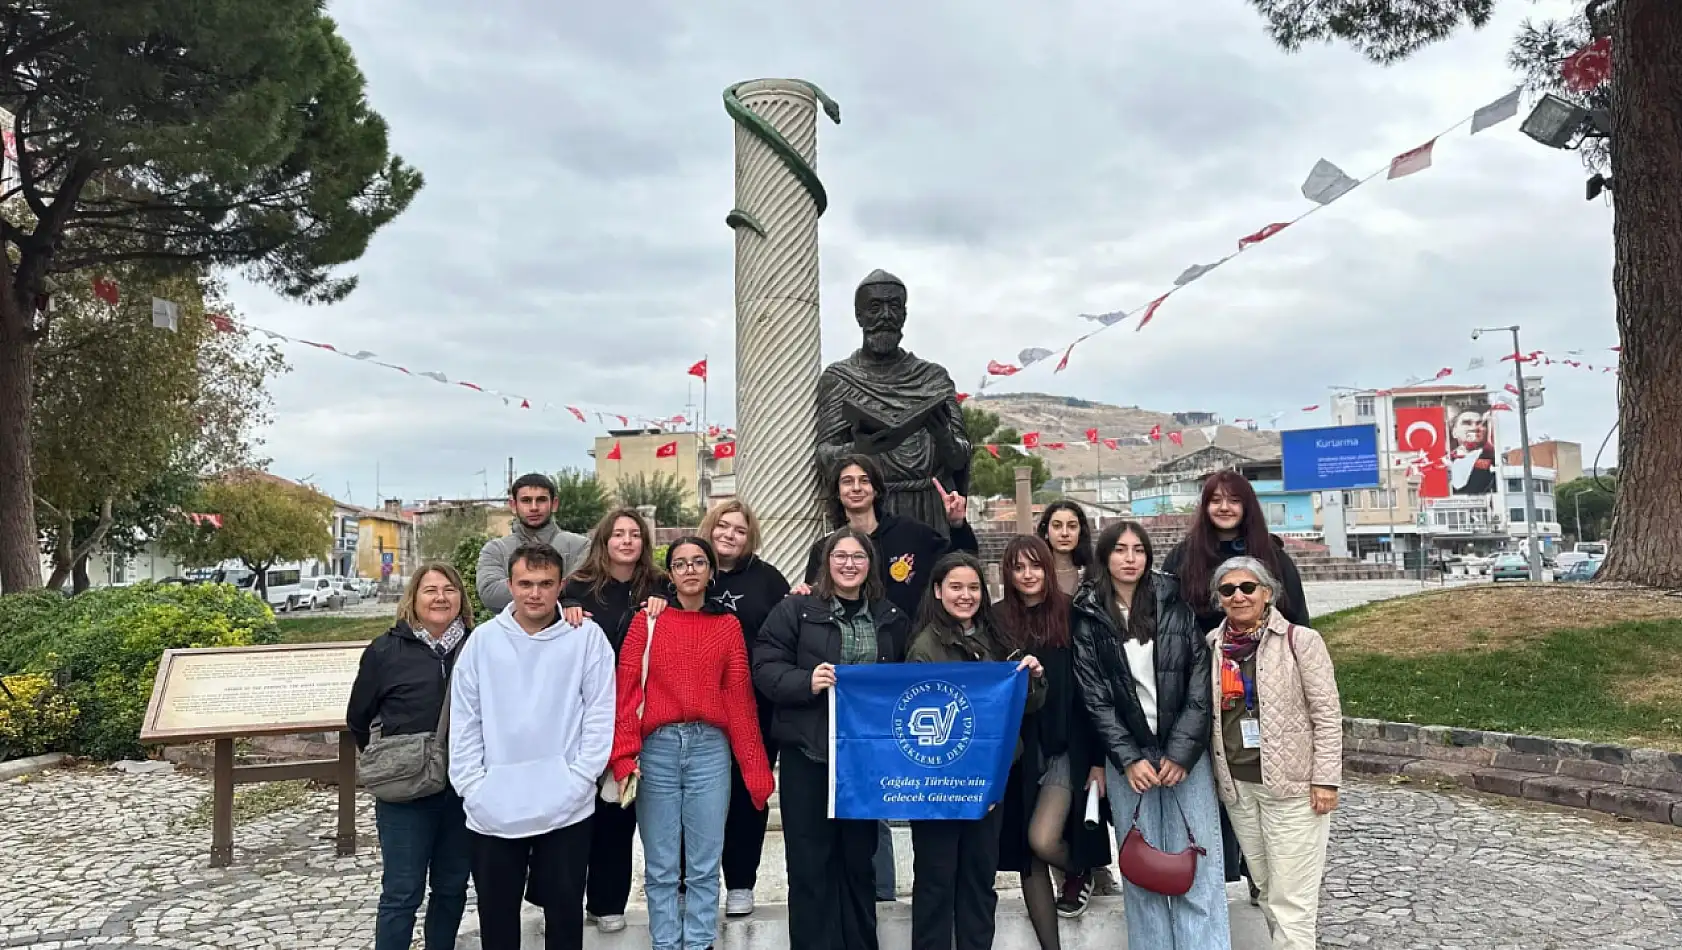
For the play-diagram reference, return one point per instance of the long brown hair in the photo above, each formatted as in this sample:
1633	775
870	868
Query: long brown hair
1140	622
597	568
873	589
1202	547
408	608
1032	628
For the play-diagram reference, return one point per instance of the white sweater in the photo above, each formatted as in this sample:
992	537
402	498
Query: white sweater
531	725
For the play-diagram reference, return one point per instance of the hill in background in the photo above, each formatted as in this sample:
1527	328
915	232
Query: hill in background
1066	419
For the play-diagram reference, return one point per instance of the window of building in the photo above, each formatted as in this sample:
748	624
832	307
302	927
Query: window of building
1352	499
1542	488
1364	407
1515	486
1413	497
1275	514
1515	515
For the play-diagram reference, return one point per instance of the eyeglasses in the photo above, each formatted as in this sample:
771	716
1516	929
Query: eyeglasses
691	566
842	557
1248	587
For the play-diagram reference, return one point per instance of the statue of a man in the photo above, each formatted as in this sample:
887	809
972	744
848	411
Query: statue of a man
884	401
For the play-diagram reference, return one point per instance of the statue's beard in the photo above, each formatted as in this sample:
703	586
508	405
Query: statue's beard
882	342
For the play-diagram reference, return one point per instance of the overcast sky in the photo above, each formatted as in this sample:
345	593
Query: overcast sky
1016	166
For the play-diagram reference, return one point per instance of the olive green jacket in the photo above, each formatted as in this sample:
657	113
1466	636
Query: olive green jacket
935	646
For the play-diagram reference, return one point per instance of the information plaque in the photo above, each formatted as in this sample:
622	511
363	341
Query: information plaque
250	691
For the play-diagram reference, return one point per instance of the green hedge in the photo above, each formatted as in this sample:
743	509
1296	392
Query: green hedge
466	561
101	649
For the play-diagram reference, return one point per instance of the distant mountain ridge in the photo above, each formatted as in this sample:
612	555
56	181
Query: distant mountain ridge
1066	419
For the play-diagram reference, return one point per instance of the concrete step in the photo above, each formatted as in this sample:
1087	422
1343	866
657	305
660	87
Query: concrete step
1102	927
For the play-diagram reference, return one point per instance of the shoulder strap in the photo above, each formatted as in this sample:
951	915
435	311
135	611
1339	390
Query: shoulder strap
444	712
647	649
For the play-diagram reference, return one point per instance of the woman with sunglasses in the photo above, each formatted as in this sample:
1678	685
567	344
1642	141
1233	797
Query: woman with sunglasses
685	709
1274	679
1143	668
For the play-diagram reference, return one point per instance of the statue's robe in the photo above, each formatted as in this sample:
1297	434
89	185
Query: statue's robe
891	391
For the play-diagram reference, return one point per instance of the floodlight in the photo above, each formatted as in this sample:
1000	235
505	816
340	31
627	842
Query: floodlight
1555	121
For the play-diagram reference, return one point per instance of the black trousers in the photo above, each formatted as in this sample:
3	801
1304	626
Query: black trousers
550	867
609	887
831	872
954	863
744	829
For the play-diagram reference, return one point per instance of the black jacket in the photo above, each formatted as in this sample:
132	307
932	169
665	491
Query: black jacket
751	591
906	550
611	609
1294	606
1182	681
400	683
800	634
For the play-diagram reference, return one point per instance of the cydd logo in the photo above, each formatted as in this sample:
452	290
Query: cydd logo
934	724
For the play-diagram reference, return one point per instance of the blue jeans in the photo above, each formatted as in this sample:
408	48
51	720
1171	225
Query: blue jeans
683	800
418	839
1196	920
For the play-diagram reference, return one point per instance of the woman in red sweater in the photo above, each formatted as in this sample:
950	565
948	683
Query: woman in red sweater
685	706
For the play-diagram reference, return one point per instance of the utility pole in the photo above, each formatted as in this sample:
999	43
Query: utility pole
1534	550
1577	504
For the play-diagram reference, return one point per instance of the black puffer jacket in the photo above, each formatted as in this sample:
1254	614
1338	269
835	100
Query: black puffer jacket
800	634
400	683
1182	681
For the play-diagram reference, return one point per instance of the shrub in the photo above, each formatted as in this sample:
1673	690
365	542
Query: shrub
104	647
35	717
466	560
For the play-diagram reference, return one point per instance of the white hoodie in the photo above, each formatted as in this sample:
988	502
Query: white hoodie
531	725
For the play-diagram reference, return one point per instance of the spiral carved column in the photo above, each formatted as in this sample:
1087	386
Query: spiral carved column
778	201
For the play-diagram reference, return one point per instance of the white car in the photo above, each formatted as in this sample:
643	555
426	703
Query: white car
314	593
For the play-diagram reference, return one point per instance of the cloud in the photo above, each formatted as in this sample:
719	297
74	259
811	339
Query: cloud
1017	166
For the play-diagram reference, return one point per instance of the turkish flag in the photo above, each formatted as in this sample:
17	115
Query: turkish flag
699	369
1057	446
106	289
1176	438
1262	235
1312	408
724	450
220	323
1423	430
1156	433
1030	440
667	451
996	368
962	397
613	454
992	450
1092	436
1112	443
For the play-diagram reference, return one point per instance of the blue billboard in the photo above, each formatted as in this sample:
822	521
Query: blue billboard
1330	459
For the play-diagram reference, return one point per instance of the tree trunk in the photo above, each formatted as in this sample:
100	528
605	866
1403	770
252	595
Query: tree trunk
1646	546
20	547
63	560
79	582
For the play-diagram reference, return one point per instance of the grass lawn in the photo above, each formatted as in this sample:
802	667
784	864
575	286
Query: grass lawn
1570	661
330	629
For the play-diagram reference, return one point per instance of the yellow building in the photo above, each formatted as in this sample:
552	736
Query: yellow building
384	536
693	462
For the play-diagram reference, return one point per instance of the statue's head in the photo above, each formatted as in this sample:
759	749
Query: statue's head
879	305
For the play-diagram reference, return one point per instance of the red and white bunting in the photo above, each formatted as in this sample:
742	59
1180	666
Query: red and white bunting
1412	161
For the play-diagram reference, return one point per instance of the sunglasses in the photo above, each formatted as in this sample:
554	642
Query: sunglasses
1248	587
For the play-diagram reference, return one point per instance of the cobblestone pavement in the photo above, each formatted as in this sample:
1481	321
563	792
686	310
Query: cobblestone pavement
99	859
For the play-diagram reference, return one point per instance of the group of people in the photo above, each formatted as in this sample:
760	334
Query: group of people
611	696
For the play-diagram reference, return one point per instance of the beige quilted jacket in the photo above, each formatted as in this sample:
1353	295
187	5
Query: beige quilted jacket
1301	718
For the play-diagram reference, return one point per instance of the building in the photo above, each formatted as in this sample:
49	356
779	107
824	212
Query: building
1175	486
692	461
1109	491
342	557
1565	458
385	542
1289	513
498	517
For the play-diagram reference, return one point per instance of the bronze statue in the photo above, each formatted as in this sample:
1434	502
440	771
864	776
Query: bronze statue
884	401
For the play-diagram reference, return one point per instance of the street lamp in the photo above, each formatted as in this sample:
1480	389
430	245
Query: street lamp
1558	122
1524	441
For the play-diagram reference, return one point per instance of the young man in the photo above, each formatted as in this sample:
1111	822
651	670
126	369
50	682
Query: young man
533	499
531	707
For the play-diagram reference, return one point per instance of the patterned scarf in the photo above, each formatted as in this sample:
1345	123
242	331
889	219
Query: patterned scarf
1238	647
444	644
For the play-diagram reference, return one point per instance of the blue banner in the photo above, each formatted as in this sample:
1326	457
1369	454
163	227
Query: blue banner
922	740
1330	459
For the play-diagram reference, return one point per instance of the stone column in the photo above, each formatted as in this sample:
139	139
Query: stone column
778	202
1024	500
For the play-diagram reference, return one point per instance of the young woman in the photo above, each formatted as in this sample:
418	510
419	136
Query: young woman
749	588
1143	667
685	705
1065	529
1230	523
1274	678
402	685
955	861
617	578
1044	826
845	619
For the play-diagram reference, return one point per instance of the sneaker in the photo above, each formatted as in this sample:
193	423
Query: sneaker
1077	893
738	903
610	923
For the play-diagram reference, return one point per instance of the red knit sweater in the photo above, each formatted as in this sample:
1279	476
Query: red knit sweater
697	672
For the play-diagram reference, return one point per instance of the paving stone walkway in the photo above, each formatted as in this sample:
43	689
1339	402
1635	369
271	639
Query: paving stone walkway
95	858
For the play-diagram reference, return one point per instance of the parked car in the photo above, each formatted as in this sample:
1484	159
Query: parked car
1477	565
1581	572
315	593
1510	567
347	592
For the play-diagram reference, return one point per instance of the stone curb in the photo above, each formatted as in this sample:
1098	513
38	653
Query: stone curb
1640	784
17	768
